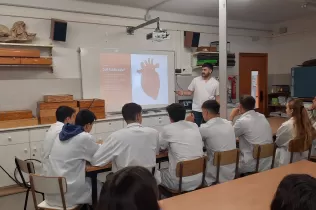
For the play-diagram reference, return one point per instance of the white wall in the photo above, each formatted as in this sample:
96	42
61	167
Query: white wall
98	25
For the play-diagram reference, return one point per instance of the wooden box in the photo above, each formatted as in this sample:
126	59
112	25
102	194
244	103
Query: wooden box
12	52
16	115
47	120
206	49
10	61
88	103
98	111
50	112
58	98
18	123
54	105
36	61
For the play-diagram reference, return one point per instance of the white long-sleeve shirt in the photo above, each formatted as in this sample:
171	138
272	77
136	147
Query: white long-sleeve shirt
218	135
48	143
68	159
284	135
134	145
252	128
184	142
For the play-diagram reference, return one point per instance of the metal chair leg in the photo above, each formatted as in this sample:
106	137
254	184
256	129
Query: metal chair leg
26	198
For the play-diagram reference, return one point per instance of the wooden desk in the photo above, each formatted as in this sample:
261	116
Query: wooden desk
93	171
248	193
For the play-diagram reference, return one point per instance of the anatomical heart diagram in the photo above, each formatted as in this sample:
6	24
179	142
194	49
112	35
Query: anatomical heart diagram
150	78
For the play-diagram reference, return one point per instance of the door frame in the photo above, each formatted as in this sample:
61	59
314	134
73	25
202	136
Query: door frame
265	96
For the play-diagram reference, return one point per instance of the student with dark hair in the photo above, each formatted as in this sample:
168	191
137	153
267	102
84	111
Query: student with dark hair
64	115
132	188
298	127
134	145
219	136
252	128
203	88
72	148
184	142
295	192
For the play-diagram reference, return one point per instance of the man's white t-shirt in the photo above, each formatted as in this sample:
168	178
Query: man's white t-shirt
203	90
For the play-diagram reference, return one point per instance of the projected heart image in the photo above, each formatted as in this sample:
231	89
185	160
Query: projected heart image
150	80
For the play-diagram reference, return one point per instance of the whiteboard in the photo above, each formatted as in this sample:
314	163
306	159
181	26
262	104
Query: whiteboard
105	71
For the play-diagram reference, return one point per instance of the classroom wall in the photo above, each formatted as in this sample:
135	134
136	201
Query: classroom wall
98	25
291	49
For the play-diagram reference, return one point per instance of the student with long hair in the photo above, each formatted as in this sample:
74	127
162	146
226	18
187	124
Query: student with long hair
295	192
132	188
298	127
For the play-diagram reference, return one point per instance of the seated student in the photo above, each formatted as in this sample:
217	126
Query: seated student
312	116
184	142
64	115
134	145
295	192
297	127
71	150
132	188
218	135
251	128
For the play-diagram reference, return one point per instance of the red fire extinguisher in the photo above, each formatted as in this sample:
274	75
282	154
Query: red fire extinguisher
233	86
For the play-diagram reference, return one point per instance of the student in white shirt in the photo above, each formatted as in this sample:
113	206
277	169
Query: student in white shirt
251	128
312	116
298	126
203	88
134	145
218	135
184	142
64	115
73	147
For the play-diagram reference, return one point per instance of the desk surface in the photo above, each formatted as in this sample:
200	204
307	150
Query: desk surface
252	192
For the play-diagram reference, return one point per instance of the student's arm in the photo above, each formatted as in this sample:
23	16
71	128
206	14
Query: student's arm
157	143
107	152
283	135
90	147
163	140
238	128
217	93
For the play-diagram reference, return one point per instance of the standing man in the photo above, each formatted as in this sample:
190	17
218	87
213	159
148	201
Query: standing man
203	88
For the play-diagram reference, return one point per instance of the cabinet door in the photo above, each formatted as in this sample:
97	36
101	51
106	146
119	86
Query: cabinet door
38	134
108	126
36	149
7	155
14	137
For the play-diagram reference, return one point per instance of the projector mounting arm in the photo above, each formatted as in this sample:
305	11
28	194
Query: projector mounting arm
130	30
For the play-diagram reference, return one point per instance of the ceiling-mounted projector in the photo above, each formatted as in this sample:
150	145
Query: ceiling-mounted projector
158	35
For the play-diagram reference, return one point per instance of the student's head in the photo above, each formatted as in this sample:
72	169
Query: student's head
176	112
132	113
295	192
210	109
85	118
66	114
303	127
132	188
246	103
207	70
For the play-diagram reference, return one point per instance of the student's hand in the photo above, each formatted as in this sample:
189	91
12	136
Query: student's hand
179	92
100	142
235	112
190	118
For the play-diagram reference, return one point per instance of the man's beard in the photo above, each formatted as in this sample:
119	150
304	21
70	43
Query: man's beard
206	75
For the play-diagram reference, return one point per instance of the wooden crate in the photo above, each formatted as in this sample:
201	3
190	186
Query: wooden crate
15	115
10	61
98	111
88	103
58	98
36	61
47	120
12	52
18	123
50	112
54	105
